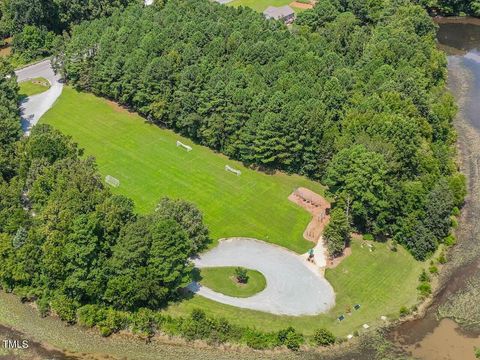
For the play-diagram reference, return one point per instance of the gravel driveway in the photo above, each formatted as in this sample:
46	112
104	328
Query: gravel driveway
293	286
33	107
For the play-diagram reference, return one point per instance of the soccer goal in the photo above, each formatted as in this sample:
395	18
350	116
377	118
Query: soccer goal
110	180
235	171
186	147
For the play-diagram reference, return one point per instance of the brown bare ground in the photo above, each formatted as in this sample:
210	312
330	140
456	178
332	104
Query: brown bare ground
315	205
119	108
7	49
333	263
301	5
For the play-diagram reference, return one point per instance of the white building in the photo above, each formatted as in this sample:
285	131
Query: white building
284	13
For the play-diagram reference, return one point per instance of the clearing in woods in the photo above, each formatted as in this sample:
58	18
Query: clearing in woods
149	165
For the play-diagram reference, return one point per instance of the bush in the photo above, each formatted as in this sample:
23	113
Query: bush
424	276
404	311
282	334
442	259
241	275
450	240
43	305
65	308
90	315
293	341
105	331
454	222
114	320
433	269
456	211
290	338
323	337
368	237
425	289
259	340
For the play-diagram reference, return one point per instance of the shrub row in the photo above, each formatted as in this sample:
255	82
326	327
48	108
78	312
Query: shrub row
197	326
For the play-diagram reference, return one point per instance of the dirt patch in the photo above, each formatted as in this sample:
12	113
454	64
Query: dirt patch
119	108
315	205
333	263
6	49
301	5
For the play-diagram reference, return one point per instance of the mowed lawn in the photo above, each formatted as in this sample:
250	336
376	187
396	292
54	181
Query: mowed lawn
381	282
261	5
149	166
33	87
222	280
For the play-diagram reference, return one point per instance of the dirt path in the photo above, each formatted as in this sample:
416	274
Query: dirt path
318	207
301	5
315	205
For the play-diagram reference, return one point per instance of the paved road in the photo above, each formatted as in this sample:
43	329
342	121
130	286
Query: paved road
33	107
294	287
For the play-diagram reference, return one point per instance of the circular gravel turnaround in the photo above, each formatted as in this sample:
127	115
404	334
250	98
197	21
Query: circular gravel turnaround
293	286
33	107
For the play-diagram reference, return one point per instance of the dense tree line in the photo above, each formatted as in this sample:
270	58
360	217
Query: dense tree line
54	15
37	25
354	95
66	240
452	7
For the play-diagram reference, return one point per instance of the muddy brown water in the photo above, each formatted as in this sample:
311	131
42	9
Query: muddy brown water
426	338
430	338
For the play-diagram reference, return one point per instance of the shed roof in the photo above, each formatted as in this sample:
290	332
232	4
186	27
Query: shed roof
281	12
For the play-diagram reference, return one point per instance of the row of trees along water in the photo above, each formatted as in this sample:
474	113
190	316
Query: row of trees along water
452	7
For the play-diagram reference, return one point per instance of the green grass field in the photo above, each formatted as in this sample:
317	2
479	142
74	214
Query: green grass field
261	5
222	280
380	281
149	166
33	87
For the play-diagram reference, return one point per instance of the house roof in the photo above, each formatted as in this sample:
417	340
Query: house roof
281	12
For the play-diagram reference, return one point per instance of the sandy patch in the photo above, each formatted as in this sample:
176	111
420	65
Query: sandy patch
301	5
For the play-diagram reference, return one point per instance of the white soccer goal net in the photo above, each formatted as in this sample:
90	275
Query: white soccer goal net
110	180
235	171
186	147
